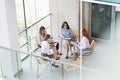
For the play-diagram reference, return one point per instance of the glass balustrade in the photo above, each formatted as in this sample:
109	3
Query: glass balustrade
35	67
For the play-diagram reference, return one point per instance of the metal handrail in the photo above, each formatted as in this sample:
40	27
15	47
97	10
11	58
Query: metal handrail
34	23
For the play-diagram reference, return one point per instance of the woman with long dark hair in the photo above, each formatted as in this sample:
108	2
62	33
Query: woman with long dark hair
66	34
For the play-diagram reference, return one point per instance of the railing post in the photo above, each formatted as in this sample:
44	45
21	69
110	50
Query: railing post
31	60
1	70
51	25
29	43
62	71
30	50
17	65
61	46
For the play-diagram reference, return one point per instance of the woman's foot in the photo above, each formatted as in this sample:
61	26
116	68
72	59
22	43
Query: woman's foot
61	54
66	57
55	65
71	54
58	58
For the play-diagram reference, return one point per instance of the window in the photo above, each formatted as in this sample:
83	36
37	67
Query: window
28	12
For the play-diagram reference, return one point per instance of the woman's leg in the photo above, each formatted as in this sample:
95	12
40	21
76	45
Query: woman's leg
55	56
74	44
70	49
75	56
67	51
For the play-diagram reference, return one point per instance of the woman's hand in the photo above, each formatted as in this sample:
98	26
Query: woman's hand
52	45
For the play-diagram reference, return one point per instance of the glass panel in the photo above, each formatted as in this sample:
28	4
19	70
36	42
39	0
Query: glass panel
35	68
111	1
10	61
71	73
42	8
40	69
35	10
117	27
101	21
23	43
24	49
92	75
20	15
22	38
30	12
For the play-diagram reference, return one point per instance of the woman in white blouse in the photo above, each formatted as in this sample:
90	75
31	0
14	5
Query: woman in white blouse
83	45
48	49
41	37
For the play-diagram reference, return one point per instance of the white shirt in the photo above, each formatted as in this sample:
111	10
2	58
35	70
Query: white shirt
84	43
45	49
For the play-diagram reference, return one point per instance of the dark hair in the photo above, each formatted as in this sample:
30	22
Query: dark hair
41	29
66	24
47	37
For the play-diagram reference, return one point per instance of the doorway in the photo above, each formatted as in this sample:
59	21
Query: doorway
117	26
101	17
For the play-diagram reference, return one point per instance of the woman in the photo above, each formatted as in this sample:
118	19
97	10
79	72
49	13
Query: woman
66	34
42	33
40	36
48	50
83	45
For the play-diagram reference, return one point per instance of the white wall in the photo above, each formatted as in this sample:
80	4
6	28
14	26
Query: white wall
86	15
64	10
8	38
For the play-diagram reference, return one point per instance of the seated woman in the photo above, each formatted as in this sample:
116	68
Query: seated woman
83	45
66	34
48	50
41	36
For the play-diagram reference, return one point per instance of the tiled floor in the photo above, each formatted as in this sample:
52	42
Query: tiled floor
105	60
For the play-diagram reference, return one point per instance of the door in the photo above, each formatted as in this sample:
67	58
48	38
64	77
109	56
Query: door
117	26
101	21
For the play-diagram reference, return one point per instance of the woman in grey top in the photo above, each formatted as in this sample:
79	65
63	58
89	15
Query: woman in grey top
41	35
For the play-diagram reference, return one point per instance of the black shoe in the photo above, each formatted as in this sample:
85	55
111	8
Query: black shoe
55	65
71	54
66	57
58	58
61	54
